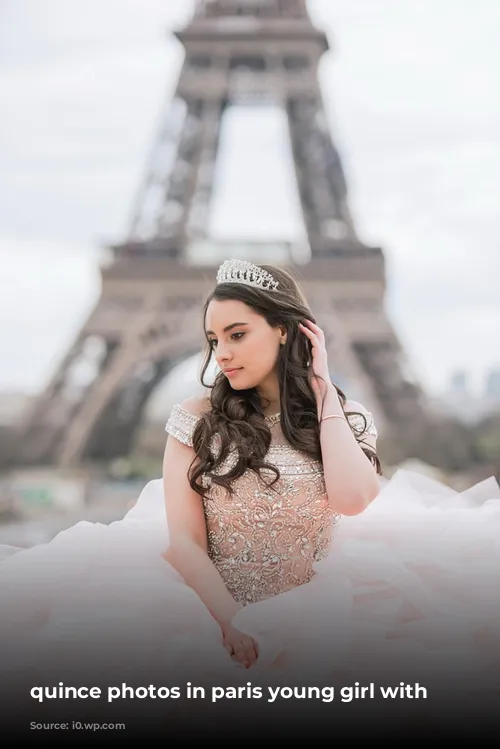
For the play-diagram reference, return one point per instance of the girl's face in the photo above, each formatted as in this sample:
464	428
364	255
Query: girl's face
245	346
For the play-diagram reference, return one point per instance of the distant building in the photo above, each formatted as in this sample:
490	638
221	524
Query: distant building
459	401
493	385
459	382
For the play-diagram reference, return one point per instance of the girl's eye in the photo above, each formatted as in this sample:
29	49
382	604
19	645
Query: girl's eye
235	336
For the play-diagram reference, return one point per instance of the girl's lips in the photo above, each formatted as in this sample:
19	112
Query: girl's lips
231	372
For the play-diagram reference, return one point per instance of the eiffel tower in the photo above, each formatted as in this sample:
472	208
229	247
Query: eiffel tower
148	318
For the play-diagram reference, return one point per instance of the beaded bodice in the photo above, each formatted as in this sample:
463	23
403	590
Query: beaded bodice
264	540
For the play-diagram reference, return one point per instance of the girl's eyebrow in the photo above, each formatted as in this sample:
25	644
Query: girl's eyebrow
228	327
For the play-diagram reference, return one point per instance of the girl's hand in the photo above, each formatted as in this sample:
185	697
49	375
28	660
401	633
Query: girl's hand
241	647
319	374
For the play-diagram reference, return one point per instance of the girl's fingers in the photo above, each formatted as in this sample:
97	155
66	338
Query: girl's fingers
313	340
316	340
316	329
313	326
309	333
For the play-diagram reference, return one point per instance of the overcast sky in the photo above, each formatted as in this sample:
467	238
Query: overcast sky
412	92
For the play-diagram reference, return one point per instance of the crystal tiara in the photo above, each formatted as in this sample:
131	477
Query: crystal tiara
242	271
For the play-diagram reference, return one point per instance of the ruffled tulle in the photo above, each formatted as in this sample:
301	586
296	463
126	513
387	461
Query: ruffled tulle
410	592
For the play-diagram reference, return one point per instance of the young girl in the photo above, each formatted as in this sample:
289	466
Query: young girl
261	502
272	546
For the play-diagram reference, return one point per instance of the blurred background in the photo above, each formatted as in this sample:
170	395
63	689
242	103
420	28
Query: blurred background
408	143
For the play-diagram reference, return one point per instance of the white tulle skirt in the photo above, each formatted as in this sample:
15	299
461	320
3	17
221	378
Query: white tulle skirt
409	593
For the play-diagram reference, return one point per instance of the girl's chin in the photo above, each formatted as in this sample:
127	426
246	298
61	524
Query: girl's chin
239	385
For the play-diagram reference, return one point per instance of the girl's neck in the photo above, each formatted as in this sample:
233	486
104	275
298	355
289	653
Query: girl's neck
269	394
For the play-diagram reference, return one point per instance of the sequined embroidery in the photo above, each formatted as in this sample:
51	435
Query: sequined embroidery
181	425
361	427
265	540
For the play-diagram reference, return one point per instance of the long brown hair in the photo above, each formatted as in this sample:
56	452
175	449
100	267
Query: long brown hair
237	416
